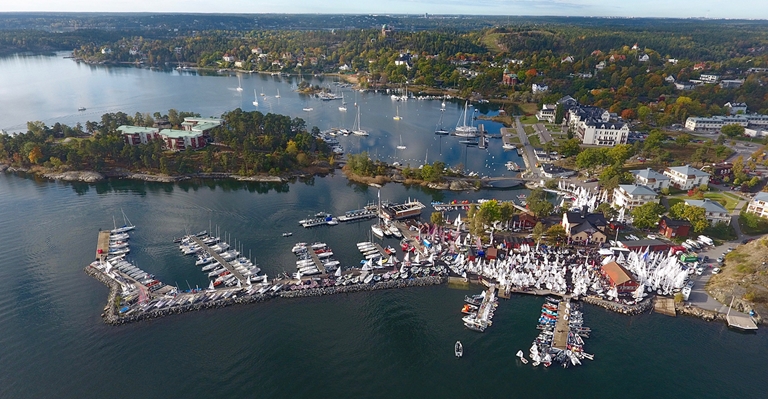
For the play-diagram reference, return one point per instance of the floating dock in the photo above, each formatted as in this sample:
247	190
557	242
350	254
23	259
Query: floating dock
102	245
219	259
665	306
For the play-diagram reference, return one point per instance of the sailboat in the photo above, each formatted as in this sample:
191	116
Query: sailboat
397	114
401	146
127	226
278	93
262	92
462	129
440	130
343	106
377	228
239	84
356	129
255	98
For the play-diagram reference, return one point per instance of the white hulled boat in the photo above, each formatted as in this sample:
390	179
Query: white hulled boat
462	129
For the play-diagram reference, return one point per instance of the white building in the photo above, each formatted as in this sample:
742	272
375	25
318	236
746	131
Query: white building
715	123
735	108
713	211
686	177
603	133
709	78
631	196
651	178
759	205
547	113
537	88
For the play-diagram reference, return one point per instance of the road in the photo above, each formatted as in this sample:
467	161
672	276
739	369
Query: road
527	149
543	133
699	296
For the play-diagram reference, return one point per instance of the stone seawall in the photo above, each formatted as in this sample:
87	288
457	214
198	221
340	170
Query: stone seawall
382	285
641	307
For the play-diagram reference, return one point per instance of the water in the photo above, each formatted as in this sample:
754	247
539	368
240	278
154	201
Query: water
52	88
395	343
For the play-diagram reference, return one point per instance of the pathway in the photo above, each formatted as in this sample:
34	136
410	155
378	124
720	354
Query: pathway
527	149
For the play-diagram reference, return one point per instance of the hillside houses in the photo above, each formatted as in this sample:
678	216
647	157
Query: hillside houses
714	212
585	227
686	177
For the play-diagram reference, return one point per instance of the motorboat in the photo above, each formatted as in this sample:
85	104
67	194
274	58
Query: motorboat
287	234
458	349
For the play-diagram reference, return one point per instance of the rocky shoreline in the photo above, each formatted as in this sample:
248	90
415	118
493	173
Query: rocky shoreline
628	310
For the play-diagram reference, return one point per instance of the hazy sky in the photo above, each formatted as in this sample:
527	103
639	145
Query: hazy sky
623	8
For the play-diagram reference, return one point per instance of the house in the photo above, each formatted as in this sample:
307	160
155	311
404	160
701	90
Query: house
619	278
239	64
731	83
135	135
759	205
672	61
537	88
524	220
404	59
582	226
699	66
715	123
651	178
755	132
735	108
709	78
547	113
106	50
718	171
644	58
671	228
567	59
257	50
228	58
600	65
713	211
686	177
670	79
617	57
344	68
684	86
180	140
631	196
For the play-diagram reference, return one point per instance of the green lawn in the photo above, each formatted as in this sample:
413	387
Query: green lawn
529	120
672	201
528	129
535	140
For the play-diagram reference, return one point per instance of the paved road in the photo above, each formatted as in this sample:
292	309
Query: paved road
527	149
543	133
699	296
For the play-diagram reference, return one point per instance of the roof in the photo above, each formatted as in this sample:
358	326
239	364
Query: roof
649	174
596	219
203	126
761	196
617	274
128	129
642	243
586	227
177	134
635	189
669	222
708	205
688	170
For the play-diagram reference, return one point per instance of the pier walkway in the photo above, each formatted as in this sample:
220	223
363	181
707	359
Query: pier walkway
102	245
219	259
560	340
316	259
411	236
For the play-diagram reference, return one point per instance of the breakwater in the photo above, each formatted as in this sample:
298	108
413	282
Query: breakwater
629	310
238	296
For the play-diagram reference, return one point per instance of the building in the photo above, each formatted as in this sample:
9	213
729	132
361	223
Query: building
684	85
180	140
731	83
610	134
547	113
755	132
735	108
709	78
686	177
228	58
651	178
537	88
508	78
713	211
524	220
671	228
631	196
670	79
585	227
135	135
718	171
551	171
643	245
715	123
201	125
619	278
759	205
644	58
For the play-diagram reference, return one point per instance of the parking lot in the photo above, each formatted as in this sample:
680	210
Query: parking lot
699	296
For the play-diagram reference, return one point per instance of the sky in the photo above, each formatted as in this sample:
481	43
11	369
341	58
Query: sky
749	9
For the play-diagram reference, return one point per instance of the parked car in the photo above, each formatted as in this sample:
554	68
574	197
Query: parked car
699	271
720	259
716	270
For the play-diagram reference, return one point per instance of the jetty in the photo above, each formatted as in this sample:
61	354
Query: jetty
219	259
102	245
560	340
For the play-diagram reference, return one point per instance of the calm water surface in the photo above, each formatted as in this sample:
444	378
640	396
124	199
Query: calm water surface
396	343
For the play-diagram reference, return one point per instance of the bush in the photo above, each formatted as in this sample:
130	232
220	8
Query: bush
752	224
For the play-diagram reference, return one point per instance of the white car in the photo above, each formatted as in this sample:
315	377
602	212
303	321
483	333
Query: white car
716	270
699	271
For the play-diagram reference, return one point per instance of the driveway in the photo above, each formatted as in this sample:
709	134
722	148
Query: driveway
543	133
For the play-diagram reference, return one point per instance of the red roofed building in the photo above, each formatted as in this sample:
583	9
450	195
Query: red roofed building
619	278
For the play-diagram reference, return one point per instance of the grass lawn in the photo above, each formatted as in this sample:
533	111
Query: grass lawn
535	140
529	108
514	139
674	201
528	129
529	120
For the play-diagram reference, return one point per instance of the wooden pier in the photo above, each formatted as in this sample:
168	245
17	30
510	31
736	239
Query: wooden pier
560	340
219	259
102	245
381	250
